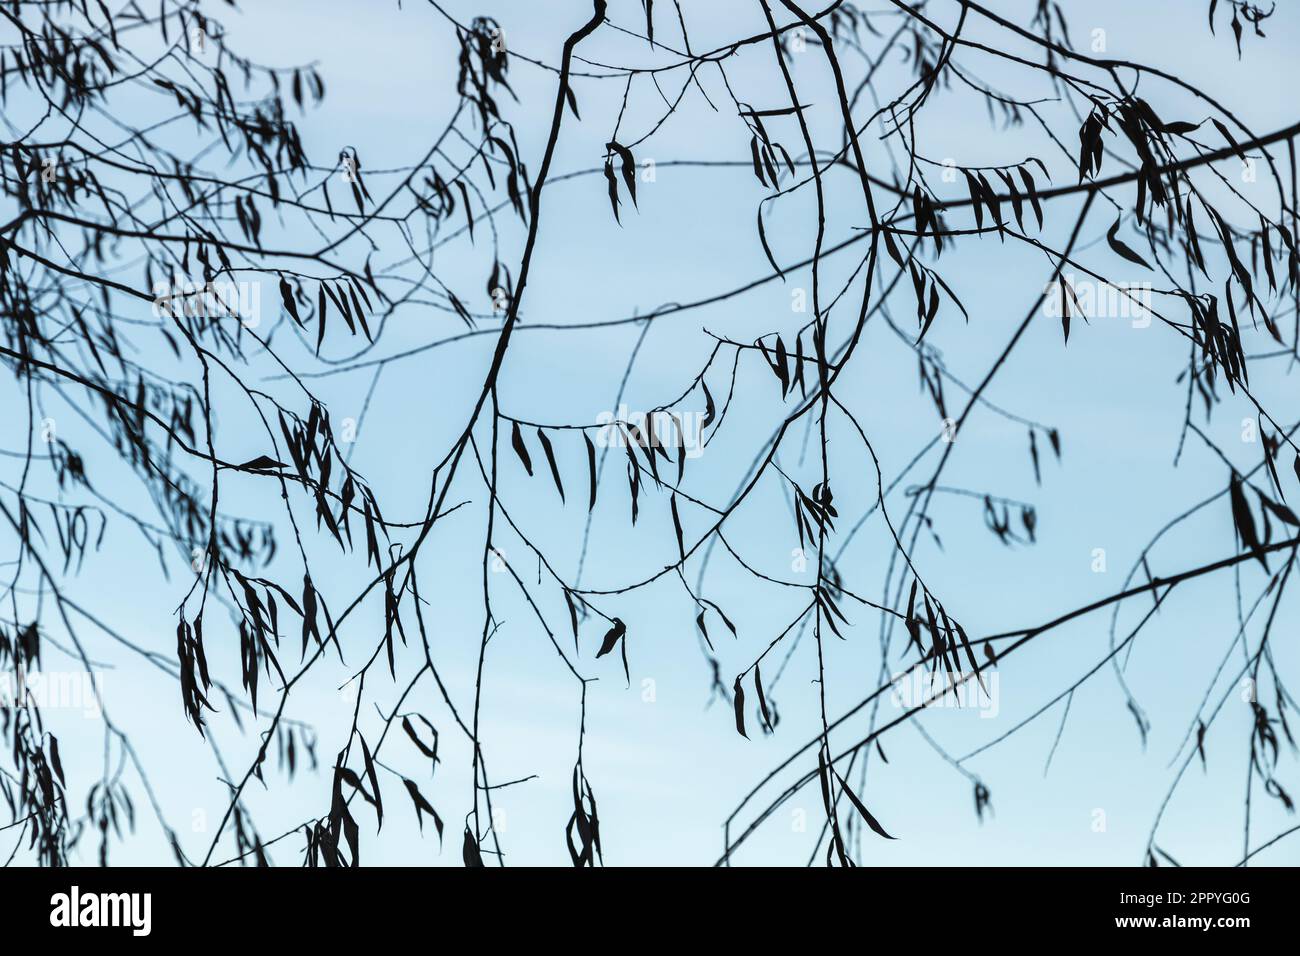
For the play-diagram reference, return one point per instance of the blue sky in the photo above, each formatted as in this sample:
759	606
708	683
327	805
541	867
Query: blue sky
667	772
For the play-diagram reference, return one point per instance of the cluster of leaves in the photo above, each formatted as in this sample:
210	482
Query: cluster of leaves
38	794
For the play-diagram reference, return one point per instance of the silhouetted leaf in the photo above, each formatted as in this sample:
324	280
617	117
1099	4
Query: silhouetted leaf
422	806
470	851
55	762
517	440
871	821
612	183
629	168
430	752
762	700
612	637
1065	310
286	297
591	470
550	460
767	250
1121	249
1243	521
262	463
738	699
677	526
374	780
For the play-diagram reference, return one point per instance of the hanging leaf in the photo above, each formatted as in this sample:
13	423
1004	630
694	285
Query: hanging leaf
55	762
768	724
767	250
1243	521
422	806
517	439
320	317
1121	249
1065	310
430	752
374	781
677	527
629	167
861	808
470	851
634	482
739	701
286	297
612	637
591	470
1033	195
612	182
550	460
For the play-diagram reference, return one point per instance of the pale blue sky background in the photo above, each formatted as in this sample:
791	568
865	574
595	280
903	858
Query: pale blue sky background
667	773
